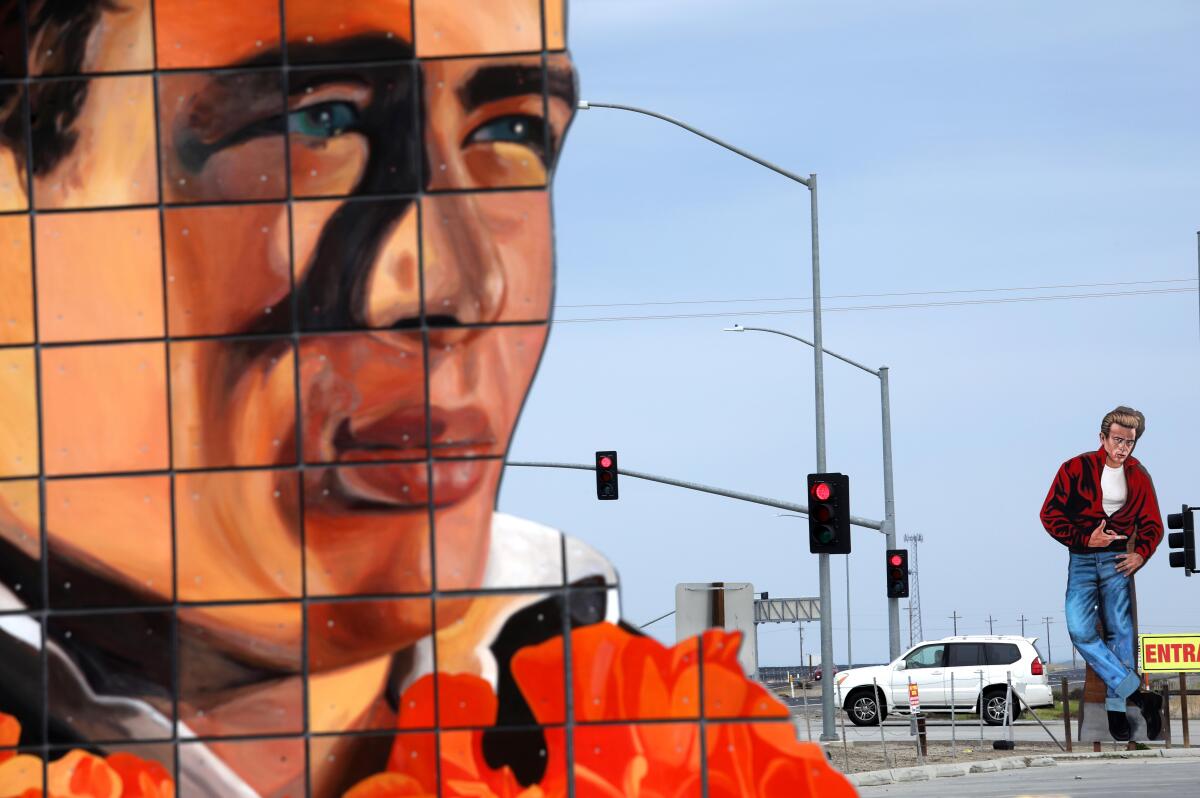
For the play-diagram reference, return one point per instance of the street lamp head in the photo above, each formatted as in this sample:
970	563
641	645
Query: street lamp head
583	105
734	328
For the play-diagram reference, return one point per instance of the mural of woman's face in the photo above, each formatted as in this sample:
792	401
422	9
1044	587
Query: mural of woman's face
344	370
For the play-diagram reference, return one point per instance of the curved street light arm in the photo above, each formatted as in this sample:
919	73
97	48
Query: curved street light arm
842	358
585	105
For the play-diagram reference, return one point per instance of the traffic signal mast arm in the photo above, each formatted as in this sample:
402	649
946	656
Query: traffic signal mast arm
866	523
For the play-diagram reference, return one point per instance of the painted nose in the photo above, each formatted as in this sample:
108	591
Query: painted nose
464	281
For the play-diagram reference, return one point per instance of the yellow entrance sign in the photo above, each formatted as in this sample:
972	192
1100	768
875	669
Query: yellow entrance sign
1173	653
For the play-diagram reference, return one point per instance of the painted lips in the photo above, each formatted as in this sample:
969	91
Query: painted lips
402	435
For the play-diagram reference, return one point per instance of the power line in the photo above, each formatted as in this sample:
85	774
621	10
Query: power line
870	296
803	311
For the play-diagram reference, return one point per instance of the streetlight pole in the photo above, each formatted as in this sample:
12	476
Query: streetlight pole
889	500
828	728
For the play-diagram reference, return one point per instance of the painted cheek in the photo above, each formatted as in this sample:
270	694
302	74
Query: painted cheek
308	220
327	167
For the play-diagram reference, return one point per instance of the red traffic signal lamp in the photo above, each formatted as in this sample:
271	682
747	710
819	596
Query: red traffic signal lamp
1185	540
897	573
606	476
829	513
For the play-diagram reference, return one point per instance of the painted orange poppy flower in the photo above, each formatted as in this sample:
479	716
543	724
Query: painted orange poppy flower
78	774
618	675
10	735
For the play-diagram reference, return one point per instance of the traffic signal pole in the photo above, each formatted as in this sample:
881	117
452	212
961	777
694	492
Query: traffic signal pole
828	728
889	508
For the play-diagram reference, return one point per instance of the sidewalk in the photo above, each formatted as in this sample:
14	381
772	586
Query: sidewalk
873	778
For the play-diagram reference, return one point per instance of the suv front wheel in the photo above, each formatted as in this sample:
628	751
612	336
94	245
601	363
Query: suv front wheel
864	708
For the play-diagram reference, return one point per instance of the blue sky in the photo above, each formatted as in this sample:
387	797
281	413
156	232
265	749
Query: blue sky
959	146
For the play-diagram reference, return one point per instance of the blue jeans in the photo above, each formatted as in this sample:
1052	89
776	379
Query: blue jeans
1095	590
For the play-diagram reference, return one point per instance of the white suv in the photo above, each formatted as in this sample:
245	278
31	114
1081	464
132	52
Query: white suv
980	665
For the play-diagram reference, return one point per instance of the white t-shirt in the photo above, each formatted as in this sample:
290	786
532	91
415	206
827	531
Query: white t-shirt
1113	489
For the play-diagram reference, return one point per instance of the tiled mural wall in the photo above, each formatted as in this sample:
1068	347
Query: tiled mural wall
275	278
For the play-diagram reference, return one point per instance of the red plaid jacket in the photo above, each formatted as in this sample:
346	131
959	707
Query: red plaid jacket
1073	507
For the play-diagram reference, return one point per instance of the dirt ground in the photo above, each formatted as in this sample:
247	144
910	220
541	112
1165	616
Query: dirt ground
870	756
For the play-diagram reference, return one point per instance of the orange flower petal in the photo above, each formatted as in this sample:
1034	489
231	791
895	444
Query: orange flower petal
20	775
82	775
415	756
416	705
389	785
465	700
10	731
141	778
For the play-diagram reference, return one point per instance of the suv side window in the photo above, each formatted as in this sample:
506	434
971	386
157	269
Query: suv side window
1002	653
964	654
926	657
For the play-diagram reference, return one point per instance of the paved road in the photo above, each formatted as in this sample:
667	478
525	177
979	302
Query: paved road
1089	779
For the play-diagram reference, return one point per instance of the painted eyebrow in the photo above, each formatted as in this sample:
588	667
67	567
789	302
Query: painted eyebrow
500	81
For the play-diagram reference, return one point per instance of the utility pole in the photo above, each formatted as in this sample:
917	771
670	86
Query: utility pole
955	618
1023	619
991	631
914	599
801	625
1048	619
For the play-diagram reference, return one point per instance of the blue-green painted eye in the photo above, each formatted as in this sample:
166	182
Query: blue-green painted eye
323	121
518	129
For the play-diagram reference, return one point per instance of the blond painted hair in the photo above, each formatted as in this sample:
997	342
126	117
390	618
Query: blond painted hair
1126	417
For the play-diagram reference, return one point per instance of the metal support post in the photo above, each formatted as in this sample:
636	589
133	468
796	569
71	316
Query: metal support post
1021	702
1166	713
1183	709
849	644
953	728
882	738
1066	698
807	709
1008	710
845	742
889	508
981	708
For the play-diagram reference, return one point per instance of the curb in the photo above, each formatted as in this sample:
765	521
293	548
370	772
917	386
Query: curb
874	778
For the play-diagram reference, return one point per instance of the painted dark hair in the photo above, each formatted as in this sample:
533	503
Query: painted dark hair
58	31
1126	417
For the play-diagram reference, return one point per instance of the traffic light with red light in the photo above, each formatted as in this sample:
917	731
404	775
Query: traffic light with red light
606	476
1185	540
829	513
897	573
